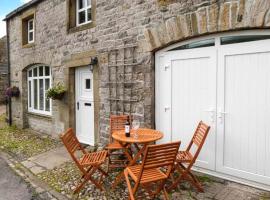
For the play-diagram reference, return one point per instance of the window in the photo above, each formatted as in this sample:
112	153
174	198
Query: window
242	38
39	81
194	45
30	30
83	9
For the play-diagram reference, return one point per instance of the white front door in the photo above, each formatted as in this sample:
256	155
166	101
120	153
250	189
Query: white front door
188	82
243	140
84	106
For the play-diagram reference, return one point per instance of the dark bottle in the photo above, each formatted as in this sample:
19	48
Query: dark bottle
127	127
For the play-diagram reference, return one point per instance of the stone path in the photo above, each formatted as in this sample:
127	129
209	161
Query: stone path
12	186
47	161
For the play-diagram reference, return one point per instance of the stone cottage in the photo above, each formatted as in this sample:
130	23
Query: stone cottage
3	68
170	63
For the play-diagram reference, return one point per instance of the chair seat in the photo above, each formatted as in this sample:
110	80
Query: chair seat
114	145
93	158
149	175
184	156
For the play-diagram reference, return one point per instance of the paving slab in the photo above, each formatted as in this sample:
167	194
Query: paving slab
51	159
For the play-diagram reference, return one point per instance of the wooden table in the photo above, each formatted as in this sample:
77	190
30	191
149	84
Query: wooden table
145	136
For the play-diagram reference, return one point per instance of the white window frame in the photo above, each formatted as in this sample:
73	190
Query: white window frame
84	9
30	31
30	80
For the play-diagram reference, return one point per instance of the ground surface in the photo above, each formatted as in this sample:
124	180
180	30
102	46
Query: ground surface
13	187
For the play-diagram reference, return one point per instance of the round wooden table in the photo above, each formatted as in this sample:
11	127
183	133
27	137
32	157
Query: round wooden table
144	137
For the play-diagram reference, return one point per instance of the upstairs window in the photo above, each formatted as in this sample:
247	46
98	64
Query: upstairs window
30	30
39	81
83	9
81	15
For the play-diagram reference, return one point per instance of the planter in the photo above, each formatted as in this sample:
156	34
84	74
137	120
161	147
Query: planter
13	92
58	96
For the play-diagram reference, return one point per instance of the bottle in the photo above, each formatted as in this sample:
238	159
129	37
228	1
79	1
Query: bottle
127	127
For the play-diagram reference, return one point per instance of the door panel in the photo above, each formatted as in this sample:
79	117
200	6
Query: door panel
84	106
192	79
243	146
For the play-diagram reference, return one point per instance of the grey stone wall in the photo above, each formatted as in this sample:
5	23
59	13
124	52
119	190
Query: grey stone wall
151	24
3	68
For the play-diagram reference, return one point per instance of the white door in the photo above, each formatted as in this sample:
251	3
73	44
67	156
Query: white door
84	106
243	139
187	82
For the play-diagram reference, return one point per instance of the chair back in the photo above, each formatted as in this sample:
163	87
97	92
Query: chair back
117	123
199	138
162	155
72	145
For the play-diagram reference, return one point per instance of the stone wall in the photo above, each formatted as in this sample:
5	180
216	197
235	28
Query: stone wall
150	24
3	68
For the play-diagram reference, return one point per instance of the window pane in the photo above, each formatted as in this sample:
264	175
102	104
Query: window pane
35	94
47	71
30	93
30	73
89	16
194	45
87	84
88	2
35	72
41	71
82	17
47	101
81	4
30	25
41	95
242	38
31	36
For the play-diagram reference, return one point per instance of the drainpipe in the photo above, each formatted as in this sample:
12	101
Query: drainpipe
9	81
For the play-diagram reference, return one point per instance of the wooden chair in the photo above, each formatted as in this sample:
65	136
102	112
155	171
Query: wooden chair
155	168
88	163
185	159
117	158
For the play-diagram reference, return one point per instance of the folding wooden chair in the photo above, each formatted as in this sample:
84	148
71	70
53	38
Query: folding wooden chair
88	163
185	159
117	157
155	169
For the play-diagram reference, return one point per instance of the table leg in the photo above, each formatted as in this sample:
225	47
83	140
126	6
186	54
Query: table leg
120	176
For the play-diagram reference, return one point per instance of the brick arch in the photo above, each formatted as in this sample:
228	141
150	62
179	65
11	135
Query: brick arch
215	18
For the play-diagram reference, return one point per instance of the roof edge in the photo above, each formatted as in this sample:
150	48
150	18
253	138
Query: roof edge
21	9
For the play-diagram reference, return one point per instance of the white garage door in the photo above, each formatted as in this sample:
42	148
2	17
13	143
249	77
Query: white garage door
224	81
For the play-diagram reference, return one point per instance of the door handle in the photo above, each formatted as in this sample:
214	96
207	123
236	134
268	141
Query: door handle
78	106
221	115
166	108
212	112
87	104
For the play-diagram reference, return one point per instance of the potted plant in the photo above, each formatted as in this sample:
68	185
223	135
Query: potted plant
13	91
56	92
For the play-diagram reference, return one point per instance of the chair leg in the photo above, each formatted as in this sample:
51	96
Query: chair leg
195	182
166	196
131	196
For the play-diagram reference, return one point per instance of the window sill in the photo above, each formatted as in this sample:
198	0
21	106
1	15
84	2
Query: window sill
43	116
29	45
81	27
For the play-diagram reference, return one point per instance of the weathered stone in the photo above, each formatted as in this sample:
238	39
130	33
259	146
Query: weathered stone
267	19
162	34
202	20
194	23
173	29
258	11
233	21
213	14
224	17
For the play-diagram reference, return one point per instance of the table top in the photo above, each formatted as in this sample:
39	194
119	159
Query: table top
144	136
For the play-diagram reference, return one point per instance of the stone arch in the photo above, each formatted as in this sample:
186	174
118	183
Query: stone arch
215	18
